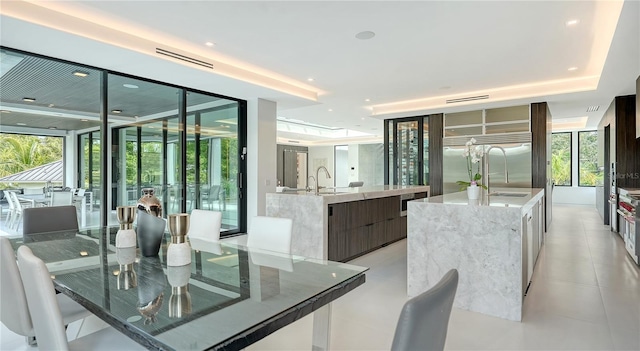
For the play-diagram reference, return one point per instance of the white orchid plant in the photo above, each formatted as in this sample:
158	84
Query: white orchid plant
473	155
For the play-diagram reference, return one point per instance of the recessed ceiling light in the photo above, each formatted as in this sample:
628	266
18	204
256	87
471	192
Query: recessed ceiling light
53	128
21	124
84	120
51	105
130	86
80	74
116	111
573	68
572	22
209	44
28	99
362	118
310	79
367	100
5	111
330	110
365	35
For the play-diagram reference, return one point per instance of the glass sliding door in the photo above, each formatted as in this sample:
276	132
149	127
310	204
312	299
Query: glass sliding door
213	157
139	112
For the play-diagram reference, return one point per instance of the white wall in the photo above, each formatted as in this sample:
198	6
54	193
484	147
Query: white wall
574	195
261	155
365	163
70	160
354	166
322	156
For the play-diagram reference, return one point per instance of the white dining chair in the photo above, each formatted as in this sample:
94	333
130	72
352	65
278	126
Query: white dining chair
47	318
18	207
12	208
205	225
14	311
61	198
270	233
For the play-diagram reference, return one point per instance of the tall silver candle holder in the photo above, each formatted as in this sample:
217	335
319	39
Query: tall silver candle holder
126	236
179	251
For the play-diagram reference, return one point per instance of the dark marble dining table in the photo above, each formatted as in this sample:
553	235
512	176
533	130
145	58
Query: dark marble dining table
228	298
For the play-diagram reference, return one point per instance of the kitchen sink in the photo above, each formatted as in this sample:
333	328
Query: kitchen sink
509	194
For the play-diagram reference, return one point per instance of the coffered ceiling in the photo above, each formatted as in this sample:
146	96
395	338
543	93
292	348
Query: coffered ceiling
307	56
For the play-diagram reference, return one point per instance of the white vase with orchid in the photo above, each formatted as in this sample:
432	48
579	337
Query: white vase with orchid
473	154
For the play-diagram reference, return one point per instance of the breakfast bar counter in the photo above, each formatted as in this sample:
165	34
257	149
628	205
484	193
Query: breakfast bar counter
492	241
343	223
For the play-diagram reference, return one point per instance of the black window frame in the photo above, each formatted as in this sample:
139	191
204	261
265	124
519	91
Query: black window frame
578	165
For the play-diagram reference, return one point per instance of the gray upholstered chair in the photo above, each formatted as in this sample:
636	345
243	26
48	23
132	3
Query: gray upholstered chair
47	319
49	219
424	319
14	311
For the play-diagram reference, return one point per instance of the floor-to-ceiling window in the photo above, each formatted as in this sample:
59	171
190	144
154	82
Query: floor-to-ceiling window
561	158
588	173
183	143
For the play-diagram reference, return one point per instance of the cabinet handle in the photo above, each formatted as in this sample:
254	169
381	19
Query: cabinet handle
529	219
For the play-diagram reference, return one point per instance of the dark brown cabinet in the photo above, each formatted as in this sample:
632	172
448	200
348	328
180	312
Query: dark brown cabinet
357	227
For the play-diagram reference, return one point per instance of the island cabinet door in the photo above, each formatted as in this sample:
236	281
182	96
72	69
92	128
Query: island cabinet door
338	218
360	213
338	245
395	229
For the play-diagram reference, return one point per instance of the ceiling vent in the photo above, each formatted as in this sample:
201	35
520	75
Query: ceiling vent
469	98
593	108
184	58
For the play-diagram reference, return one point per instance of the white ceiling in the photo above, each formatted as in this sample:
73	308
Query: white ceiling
427	51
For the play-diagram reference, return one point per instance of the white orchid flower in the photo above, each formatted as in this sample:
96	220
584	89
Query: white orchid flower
479	150
474	159
473	141
465	153
468	144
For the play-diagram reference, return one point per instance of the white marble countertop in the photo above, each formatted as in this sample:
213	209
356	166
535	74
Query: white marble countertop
338	195
531	196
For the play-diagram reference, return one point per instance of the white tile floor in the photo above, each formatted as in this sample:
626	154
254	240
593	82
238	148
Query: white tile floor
585	295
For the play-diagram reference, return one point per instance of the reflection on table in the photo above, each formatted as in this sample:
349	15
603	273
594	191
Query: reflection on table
227	297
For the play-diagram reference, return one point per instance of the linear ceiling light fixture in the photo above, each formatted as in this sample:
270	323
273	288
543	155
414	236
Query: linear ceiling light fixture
28	99
184	58
468	98
81	74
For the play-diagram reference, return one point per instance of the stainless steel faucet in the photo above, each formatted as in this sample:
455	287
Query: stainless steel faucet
308	189
326	173
486	166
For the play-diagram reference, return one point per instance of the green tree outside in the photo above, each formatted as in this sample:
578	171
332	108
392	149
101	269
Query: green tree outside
561	158
23	152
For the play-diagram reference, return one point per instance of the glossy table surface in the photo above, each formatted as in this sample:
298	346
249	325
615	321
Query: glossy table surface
227	298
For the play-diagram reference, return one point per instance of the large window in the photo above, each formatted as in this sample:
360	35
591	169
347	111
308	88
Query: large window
185	144
561	158
588	174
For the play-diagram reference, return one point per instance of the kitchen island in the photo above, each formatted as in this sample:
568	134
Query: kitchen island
340	224
493	242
